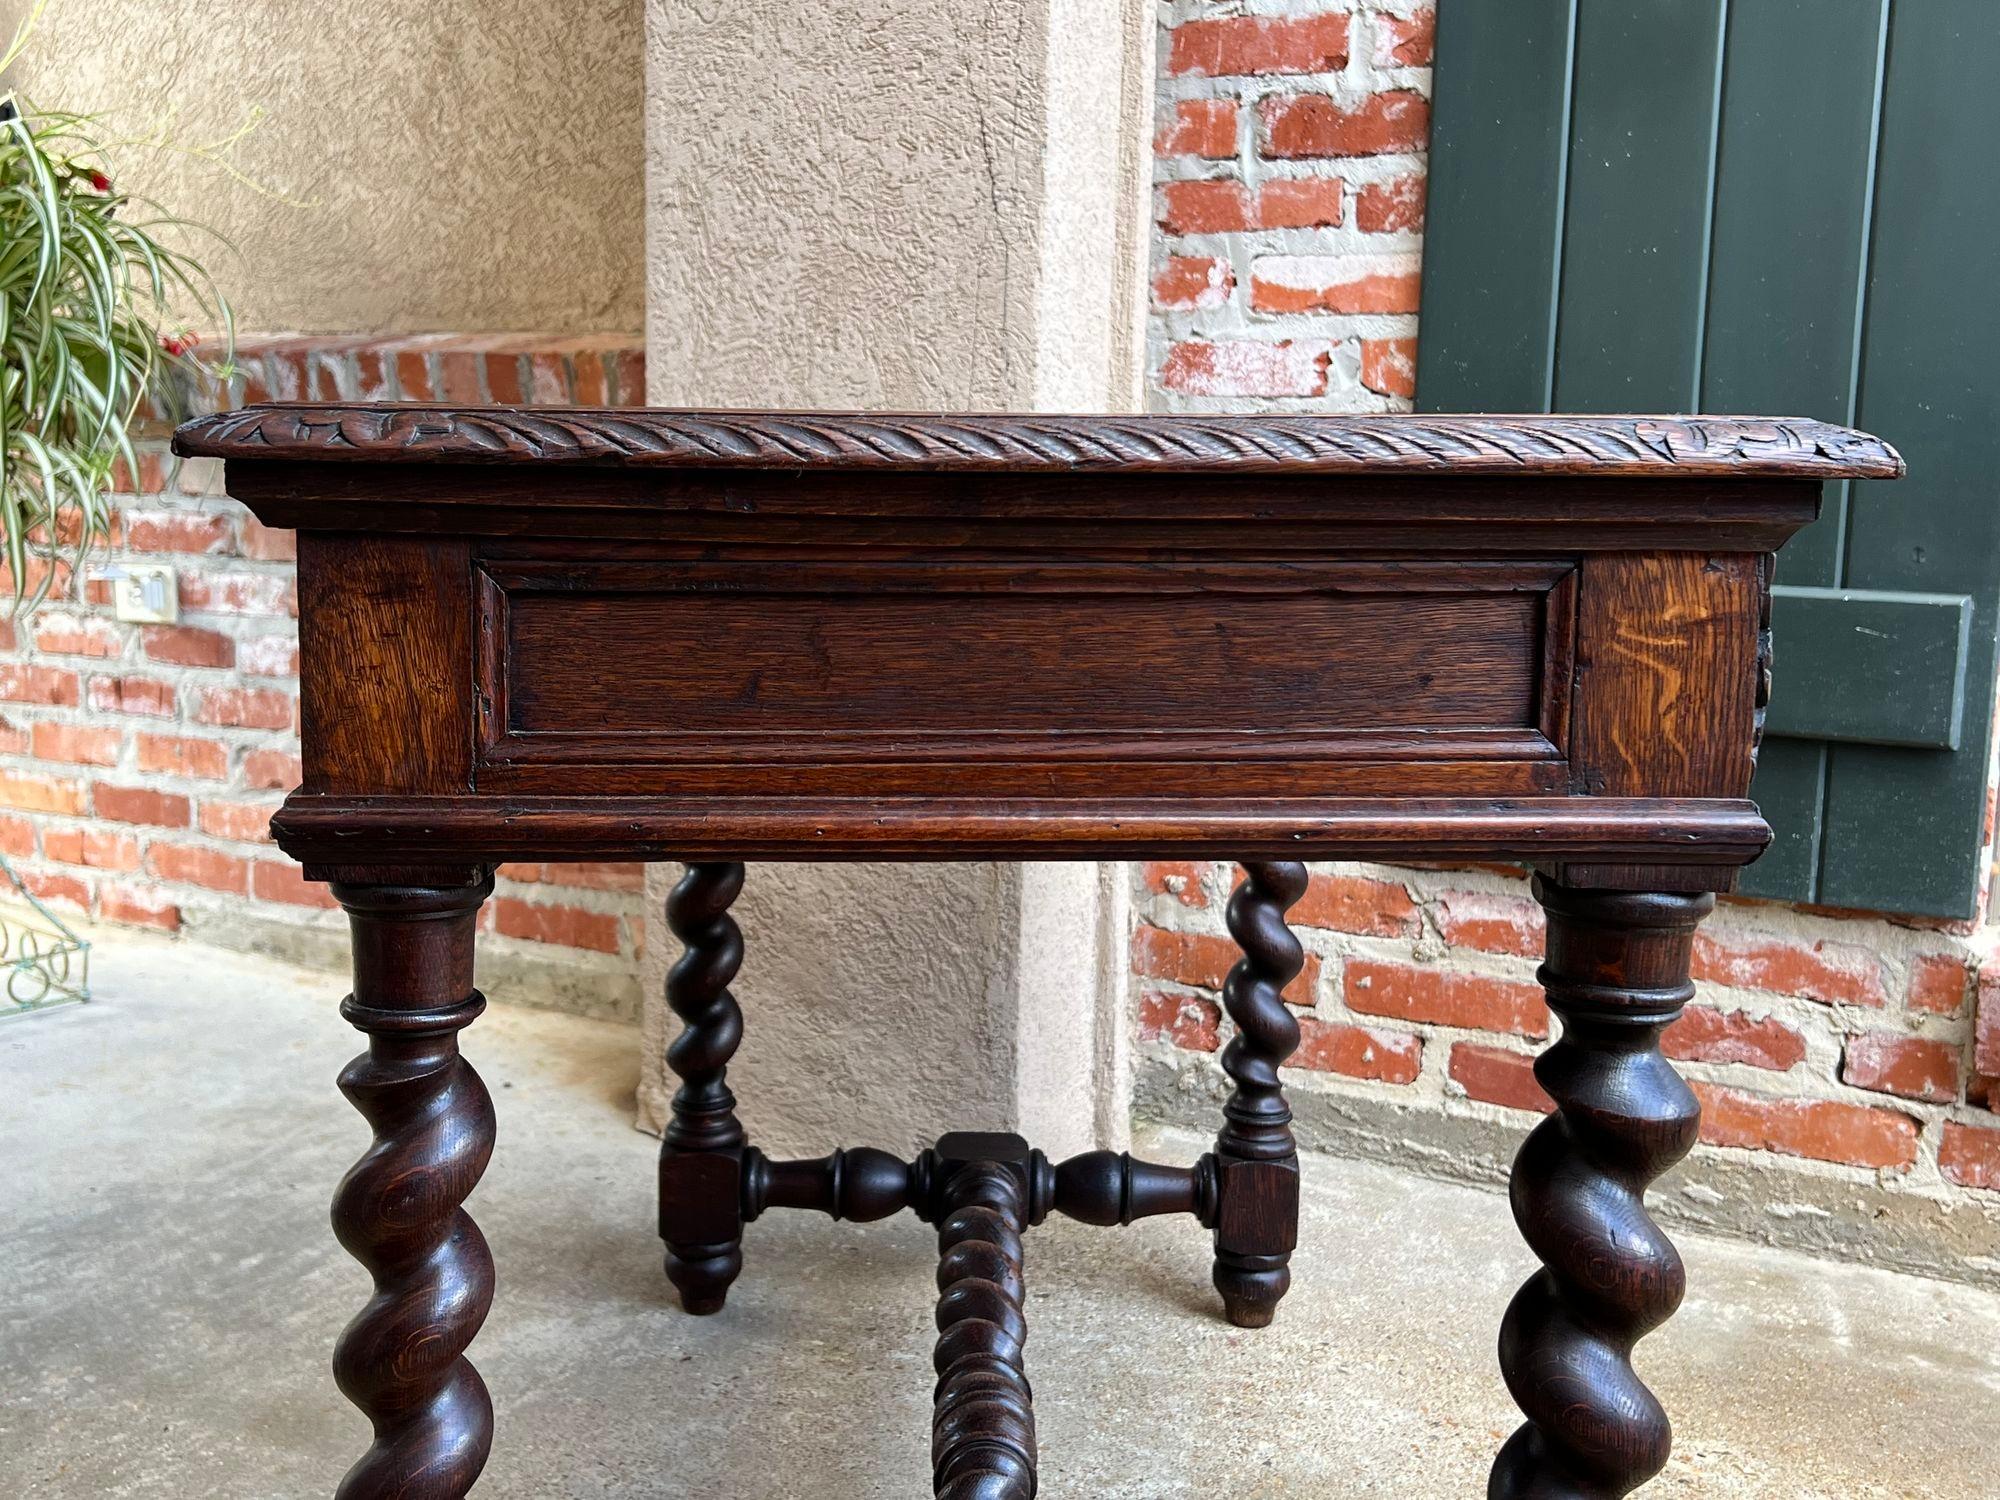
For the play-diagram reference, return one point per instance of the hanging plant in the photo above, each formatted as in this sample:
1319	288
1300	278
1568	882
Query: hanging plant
88	332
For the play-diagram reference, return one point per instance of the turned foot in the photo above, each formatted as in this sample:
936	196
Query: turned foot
1250	1293
703	1279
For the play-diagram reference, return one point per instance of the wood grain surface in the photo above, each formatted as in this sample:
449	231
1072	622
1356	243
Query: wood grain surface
927	652
385	656
1668	674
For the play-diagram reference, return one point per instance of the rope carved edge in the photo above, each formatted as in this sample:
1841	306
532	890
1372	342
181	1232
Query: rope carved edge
1766	448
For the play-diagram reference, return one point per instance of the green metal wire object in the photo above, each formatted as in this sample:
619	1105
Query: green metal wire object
42	962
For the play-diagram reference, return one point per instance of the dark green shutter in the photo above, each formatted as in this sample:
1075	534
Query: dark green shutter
1779	206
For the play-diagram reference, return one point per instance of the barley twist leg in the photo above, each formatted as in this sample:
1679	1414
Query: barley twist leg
701	1159
1257	1161
1617	976
402	1359
983	1426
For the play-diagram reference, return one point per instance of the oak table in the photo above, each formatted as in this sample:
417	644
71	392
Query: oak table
719	636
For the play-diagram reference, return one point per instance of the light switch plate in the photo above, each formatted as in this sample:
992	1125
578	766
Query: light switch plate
145	593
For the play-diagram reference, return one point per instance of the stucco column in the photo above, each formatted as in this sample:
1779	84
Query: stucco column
900	204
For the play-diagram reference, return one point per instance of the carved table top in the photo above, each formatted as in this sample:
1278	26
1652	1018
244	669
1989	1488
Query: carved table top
605	634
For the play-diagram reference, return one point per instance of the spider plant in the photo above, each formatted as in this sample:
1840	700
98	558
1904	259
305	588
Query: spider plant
88	331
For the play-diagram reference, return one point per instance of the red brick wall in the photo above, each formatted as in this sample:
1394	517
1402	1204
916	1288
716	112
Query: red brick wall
140	764
1289	172
1289	193
1825	1037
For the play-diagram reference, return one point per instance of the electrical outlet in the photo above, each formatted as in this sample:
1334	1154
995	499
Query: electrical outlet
144	593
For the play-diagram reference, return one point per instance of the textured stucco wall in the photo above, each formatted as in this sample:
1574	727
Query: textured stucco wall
896	203
877	1002
458	165
903	204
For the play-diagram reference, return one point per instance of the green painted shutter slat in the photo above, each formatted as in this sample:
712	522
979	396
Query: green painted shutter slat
1788	265
1871	667
1787	206
1904	828
1499	135
1795	180
1791	791
1641	181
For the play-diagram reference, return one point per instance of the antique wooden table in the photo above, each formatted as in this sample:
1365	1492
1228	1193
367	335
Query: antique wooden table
729	635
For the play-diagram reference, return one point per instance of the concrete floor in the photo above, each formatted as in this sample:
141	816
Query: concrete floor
169	1292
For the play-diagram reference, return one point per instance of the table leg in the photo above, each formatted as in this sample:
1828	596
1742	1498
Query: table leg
402	1360
1616	975
701	1159
1257	1161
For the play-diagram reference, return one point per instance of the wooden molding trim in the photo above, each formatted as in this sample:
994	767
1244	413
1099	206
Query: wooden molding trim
1609	446
331	831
